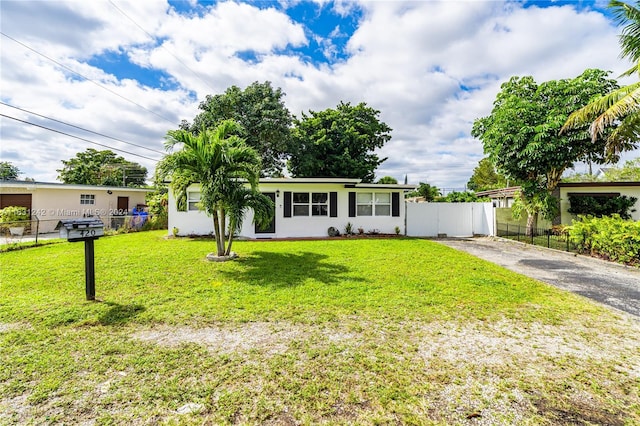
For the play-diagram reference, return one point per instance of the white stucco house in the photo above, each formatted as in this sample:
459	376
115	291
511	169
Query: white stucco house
50	202
307	207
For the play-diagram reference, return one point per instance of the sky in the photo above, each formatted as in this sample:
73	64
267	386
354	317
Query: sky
125	72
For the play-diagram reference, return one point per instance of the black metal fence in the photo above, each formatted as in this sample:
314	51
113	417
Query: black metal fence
554	238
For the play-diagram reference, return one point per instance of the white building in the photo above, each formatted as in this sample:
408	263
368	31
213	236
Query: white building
307	207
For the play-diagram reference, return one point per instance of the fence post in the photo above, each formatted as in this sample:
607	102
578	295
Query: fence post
518	234
37	228
549	239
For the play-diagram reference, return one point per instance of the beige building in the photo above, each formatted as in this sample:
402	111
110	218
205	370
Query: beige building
47	203
630	189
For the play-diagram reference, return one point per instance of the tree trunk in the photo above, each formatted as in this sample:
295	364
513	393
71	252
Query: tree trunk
216	230
532	224
223	224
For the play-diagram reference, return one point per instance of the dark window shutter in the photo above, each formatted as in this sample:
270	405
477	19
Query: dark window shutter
333	204
395	204
287	204
352	204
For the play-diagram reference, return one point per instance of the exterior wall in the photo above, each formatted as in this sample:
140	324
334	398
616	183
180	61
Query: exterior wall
198	223
452	219
52	202
630	190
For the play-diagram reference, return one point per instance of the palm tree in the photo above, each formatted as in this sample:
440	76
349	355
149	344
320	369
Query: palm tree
227	171
621	107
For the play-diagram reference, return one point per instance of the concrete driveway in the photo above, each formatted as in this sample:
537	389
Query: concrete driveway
611	284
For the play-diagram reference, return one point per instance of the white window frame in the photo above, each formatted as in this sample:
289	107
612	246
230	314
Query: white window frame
193	198
370	204
310	207
87	199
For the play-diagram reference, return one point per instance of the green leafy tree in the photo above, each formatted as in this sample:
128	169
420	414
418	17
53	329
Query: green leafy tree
629	172
228	171
485	177
426	191
620	107
462	197
338	143
264	118
521	135
93	167
387	180
8	171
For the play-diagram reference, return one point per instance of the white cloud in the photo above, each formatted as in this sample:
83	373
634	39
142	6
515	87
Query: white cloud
431	68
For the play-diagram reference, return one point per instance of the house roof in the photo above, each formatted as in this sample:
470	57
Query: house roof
499	193
347	182
30	185
596	184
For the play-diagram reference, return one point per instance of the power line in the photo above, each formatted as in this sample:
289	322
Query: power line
87	78
77	137
81	128
162	45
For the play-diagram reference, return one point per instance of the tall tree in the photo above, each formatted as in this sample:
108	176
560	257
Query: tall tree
338	143
387	179
620	108
629	172
228	172
93	167
521	135
8	171
426	191
261	112
485	177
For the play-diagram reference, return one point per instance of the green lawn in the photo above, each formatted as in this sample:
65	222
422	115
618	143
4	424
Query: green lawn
349	331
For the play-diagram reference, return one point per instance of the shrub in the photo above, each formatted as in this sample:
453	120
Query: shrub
462	197
13	214
610	236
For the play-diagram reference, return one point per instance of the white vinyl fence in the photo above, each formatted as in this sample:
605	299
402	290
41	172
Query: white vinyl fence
450	219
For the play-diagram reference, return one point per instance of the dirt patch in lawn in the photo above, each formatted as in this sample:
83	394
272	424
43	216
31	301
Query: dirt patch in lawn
480	372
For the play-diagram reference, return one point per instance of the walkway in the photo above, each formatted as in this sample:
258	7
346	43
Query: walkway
611	284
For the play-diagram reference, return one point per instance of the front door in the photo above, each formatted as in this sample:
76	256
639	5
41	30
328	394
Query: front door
271	229
123	205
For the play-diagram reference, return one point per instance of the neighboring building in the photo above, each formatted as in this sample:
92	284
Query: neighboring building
307	207
50	202
612	189
502	197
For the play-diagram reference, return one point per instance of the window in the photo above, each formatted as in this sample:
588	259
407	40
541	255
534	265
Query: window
317	203
87	199
193	198
373	204
301	204
364	204
382	204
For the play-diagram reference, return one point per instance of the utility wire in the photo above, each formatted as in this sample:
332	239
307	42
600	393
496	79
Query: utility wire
77	137
87	78
82	128
162	46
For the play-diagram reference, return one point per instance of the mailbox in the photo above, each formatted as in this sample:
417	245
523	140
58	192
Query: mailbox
81	229
84	229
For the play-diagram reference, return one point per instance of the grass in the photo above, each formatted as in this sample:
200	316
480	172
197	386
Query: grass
330	331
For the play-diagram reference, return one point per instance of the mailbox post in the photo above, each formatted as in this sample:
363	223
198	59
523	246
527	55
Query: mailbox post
87	230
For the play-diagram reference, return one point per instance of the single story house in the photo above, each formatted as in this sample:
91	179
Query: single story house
610	189
50	202
307	207
502	197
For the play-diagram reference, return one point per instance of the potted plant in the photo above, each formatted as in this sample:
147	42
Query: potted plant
14	217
